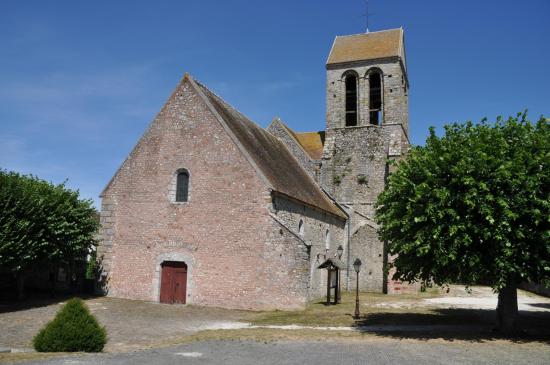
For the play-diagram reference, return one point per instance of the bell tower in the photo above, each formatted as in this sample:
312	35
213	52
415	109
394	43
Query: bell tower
367	81
366	126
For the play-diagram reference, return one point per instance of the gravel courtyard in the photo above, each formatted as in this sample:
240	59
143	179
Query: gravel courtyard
137	325
130	324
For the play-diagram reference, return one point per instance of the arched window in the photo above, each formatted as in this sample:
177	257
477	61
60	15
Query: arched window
351	100
327	240
182	186
301	227
375	98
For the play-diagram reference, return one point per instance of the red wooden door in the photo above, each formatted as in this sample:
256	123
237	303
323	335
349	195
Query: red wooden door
173	285
165	281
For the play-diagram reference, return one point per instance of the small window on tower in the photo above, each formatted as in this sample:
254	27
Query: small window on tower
375	98
182	186
351	100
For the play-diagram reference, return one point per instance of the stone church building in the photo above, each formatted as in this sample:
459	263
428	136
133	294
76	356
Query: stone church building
211	209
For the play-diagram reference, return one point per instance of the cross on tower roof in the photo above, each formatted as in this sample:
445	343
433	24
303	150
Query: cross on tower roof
367	14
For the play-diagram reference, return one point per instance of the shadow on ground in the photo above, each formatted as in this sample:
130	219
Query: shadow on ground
8	303
476	325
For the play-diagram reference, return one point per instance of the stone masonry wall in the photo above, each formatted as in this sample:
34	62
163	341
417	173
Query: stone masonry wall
289	265
354	170
366	246
355	162
394	90
314	235
223	233
281	132
355	159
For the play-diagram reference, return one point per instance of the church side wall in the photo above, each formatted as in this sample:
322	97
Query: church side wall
315	226
222	232
287	264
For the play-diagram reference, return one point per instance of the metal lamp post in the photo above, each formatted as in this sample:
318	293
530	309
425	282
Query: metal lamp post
357	267
340	251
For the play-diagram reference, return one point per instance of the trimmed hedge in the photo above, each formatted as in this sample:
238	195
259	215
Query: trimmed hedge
73	329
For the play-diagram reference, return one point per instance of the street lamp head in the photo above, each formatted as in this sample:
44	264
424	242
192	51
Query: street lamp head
340	251
357	265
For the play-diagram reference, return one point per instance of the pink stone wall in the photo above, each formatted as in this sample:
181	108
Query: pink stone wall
222	233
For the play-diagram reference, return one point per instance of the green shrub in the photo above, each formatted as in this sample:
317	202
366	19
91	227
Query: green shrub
74	328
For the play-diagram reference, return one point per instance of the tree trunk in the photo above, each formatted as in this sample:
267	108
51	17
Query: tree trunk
507	309
20	286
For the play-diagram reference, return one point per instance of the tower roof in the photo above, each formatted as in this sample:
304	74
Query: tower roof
367	46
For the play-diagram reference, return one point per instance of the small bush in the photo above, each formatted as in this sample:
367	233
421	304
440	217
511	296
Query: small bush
74	328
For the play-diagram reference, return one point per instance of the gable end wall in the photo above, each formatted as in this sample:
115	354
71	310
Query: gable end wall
221	233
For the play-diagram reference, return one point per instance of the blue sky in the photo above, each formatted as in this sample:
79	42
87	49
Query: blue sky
81	80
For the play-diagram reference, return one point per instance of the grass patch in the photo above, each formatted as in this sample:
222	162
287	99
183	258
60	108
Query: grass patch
319	314
15	357
402	310
271	335
267	335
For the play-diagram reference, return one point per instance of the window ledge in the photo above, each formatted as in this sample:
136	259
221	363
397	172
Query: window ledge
179	203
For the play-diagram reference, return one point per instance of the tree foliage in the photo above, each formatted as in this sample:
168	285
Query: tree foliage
472	206
42	223
74	328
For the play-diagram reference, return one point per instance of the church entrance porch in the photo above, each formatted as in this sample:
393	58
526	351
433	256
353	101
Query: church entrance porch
333	268
173	283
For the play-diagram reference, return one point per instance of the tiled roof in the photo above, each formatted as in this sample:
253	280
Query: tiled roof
312	142
367	46
275	162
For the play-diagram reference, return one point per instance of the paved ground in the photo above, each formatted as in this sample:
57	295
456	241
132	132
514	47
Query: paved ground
130	324
479	297
377	351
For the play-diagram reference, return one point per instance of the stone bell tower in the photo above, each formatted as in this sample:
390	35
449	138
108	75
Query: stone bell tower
367	125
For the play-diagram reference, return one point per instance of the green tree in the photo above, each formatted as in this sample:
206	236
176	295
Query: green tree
41	224
473	207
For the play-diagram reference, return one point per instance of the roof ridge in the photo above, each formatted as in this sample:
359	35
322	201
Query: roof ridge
157	115
226	104
217	104
293	136
229	106
366	46
378	31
